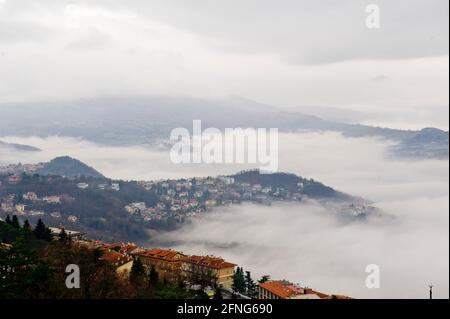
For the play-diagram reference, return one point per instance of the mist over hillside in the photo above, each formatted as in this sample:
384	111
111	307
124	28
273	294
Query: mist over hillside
413	194
304	140
131	121
18	147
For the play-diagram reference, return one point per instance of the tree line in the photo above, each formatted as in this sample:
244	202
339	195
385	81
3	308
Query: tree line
33	266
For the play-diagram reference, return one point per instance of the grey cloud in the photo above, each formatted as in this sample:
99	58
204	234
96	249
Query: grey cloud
23	31
380	78
91	39
313	32
306	32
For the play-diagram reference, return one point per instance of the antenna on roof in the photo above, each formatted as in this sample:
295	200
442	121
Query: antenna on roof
431	290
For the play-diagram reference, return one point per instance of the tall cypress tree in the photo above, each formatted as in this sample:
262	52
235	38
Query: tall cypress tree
8	220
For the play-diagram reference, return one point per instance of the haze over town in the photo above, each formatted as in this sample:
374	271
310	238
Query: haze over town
302	242
97	80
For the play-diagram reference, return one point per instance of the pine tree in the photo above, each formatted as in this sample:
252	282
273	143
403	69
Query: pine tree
250	285
42	232
48	234
137	271
153	277
26	225
62	237
15	222
8	220
39	230
239	280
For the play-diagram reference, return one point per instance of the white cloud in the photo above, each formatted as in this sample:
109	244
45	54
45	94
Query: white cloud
307	246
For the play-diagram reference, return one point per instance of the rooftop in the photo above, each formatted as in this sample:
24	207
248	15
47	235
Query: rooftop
167	255
286	290
209	261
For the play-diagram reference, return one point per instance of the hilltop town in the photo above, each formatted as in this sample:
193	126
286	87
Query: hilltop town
94	211
100	206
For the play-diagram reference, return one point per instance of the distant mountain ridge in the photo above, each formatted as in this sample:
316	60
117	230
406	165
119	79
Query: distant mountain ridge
69	167
149	121
427	143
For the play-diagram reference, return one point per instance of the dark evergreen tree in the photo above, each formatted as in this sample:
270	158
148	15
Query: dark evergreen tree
239	280
15	222
8	220
48	234
22	273
137	272
42	232
251	286
153	277
62	237
26	225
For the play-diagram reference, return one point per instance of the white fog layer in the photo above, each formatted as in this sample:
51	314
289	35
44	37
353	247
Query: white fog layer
303	243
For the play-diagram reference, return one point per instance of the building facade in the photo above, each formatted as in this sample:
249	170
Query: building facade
208	270
166	262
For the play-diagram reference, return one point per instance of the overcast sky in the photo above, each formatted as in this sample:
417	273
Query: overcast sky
290	54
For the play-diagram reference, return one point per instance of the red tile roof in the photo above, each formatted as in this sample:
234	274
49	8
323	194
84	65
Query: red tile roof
167	255
285	290
208	261
115	258
320	294
279	289
176	256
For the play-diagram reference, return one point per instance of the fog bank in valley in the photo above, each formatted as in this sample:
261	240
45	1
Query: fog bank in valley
304	243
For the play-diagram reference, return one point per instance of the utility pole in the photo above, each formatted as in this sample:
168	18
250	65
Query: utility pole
431	290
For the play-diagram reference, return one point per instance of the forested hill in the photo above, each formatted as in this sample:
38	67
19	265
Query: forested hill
61	192
96	209
67	166
292	183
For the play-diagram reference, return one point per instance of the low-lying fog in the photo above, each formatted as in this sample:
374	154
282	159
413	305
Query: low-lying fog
303	243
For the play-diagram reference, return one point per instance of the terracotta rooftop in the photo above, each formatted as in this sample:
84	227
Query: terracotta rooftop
167	255
209	261
115	258
279	288
285	290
